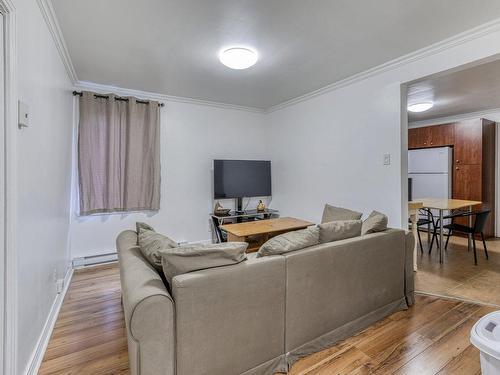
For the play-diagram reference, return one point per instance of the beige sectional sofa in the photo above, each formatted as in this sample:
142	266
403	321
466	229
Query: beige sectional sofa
261	315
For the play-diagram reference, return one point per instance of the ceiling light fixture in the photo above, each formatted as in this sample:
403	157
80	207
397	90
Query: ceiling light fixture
420	107
238	58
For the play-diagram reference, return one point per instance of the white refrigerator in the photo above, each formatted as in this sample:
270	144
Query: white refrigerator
430	170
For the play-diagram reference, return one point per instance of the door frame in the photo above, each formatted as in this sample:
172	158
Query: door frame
8	199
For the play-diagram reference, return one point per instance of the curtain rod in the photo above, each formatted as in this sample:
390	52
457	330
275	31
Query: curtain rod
79	93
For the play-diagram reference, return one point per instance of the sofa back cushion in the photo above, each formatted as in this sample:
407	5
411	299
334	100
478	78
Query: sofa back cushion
151	243
339	230
332	213
184	259
375	222
290	241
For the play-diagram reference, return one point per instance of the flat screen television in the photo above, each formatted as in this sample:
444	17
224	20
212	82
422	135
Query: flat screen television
242	178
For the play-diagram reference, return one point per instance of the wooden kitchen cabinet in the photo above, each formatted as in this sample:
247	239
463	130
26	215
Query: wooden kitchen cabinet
431	136
467	182
413	138
419	137
442	135
468	142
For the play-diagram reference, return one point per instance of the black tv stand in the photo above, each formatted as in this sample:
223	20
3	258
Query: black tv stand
239	205
234	216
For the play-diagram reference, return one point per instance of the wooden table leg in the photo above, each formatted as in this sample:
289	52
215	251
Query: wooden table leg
469	236
413	219
441	244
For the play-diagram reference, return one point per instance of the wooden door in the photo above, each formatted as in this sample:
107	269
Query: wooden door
468	142
467	182
419	137
467	185
441	135
413	138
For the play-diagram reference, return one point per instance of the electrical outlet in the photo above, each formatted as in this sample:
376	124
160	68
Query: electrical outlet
387	159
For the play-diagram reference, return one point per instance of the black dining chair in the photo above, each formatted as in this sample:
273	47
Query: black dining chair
480	218
428	220
451	215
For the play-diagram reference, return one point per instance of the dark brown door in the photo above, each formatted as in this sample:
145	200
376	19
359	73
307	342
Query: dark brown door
467	185
467	182
412	138
468	142
419	137
424	137
441	135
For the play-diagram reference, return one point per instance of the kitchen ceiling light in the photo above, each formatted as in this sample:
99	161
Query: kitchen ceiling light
238	58
420	107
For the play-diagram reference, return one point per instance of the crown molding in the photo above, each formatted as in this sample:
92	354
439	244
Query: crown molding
459	117
50	18
433	49
99	88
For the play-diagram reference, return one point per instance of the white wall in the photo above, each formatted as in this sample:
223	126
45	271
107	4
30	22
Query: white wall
330	148
43	177
191	137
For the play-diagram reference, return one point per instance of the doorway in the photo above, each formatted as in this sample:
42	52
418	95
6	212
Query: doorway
453	169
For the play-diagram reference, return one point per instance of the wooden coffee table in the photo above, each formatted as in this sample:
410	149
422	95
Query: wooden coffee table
258	232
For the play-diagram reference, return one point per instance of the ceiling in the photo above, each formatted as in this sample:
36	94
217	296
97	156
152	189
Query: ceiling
471	89
171	46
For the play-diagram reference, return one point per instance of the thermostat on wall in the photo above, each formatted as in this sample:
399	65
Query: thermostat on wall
23	115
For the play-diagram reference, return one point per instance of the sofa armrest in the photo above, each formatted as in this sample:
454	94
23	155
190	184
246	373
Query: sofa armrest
409	272
149	311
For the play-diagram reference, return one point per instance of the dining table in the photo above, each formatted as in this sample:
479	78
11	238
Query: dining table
443	205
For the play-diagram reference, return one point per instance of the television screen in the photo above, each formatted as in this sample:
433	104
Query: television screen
242	178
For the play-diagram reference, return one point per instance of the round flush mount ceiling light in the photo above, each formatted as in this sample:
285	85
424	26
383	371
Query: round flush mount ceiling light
238	57
420	107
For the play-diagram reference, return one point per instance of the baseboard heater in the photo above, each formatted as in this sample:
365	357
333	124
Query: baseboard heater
94	260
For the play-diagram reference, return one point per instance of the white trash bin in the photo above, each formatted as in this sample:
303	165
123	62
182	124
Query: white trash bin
485	335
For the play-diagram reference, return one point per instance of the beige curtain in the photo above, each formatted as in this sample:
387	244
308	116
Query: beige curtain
118	154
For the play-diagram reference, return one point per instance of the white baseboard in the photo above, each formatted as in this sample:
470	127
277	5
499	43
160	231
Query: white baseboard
43	341
94	260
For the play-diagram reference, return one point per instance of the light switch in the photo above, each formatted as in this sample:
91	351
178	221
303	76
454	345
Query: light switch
23	114
387	159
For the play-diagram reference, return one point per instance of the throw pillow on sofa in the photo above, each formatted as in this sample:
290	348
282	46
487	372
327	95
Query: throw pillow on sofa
184	259
290	241
375	222
151	243
339	230
332	213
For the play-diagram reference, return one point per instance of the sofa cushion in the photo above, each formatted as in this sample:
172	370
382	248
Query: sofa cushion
290	241
151	243
184	259
332	213
376	222
339	230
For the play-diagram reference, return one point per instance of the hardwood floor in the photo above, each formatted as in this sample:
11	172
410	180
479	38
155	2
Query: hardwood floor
89	336
432	337
458	277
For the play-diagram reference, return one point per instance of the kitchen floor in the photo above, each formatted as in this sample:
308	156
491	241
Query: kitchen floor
458	277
